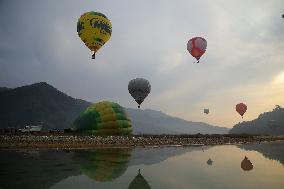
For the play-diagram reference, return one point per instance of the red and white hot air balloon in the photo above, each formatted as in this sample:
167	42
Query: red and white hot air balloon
241	108
197	47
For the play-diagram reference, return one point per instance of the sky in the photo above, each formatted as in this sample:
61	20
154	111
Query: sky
244	61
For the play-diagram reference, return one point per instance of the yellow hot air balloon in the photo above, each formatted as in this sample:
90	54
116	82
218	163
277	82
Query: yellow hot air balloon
94	29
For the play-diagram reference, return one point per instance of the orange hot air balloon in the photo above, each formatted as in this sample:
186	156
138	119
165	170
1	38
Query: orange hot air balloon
246	164
241	108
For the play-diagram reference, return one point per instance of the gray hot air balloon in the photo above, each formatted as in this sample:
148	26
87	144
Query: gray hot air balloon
206	110
139	89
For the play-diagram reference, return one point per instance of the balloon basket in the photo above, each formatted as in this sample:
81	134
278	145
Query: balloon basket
94	56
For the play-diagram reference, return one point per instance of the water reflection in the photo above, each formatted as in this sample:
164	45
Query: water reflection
34	169
103	164
271	150
246	164
209	161
139	182
167	168
149	156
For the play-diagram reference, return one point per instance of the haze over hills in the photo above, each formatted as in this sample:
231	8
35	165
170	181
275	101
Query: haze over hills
156	122
41	102
266	123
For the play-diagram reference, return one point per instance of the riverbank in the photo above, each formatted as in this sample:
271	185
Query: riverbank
85	141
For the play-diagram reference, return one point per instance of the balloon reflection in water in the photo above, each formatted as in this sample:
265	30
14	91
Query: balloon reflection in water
103	164
246	164
209	161
139	182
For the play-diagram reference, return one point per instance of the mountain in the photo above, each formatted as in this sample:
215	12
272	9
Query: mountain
39	102
4	89
155	122
266	123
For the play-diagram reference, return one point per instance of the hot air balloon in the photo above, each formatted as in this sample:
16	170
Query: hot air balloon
246	164
209	161
197	47
94	29
139	89
241	108
104	118
282	15
206	110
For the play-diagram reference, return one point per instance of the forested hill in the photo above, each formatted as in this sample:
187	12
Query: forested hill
39	102
4	89
266	123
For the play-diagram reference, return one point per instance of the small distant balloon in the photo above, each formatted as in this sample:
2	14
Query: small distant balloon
246	164
206	110
241	108
139	89
197	47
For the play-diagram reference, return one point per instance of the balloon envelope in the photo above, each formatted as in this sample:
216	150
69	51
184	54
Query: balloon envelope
197	47
94	29
104	118
241	108
206	110
139	89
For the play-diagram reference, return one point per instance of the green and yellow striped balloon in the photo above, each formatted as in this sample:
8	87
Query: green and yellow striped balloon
103	164
104	118
94	29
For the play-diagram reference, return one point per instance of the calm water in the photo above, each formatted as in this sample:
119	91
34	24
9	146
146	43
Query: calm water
161	168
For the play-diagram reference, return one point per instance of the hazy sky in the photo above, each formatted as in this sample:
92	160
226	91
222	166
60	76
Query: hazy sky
244	61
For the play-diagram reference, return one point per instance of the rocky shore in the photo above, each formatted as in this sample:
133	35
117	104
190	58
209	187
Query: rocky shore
85	141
